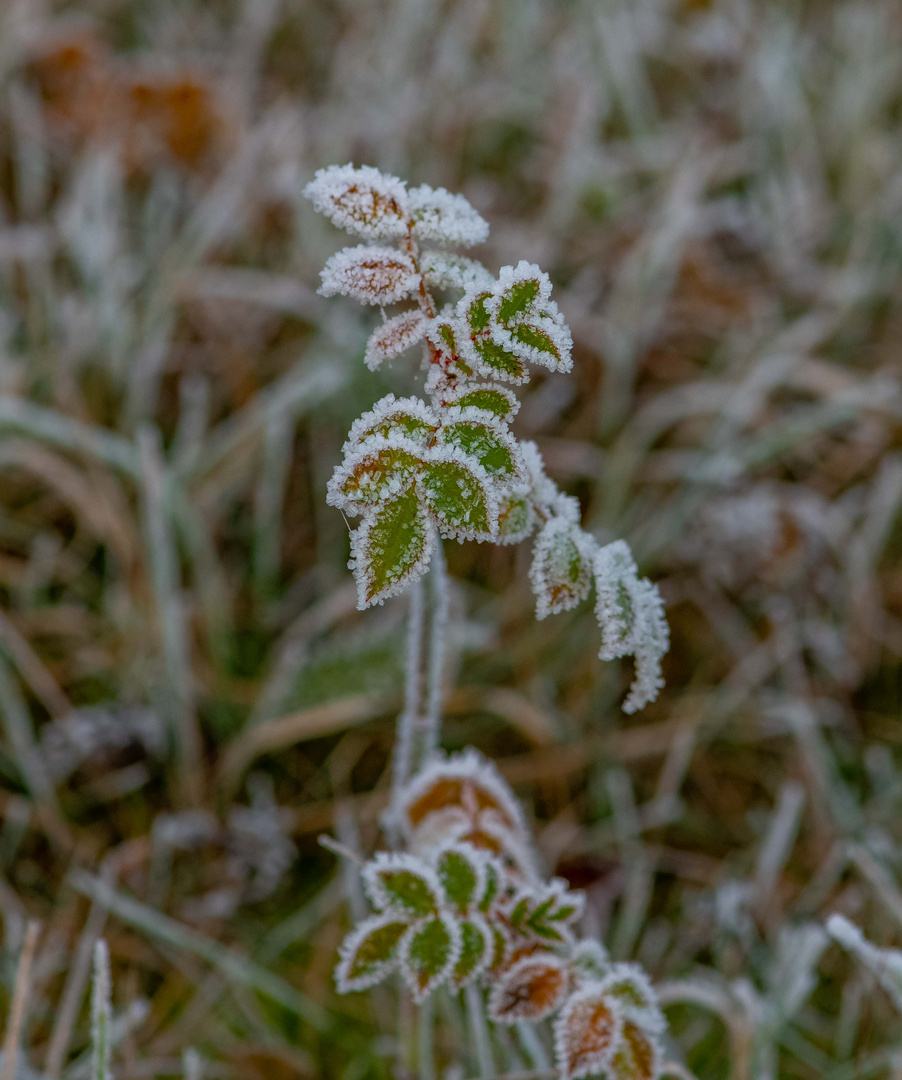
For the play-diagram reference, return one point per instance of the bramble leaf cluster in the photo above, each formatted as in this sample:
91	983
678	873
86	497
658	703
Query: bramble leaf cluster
464	904
415	471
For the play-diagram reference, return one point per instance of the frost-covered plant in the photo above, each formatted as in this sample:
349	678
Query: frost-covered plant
415	470
464	905
460	902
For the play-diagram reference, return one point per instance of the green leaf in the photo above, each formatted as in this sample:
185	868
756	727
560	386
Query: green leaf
478	315
459	496
390	547
497	361
459	874
517	300
401	883
561	573
371	477
369	952
516	519
537	339
492	449
490	399
475	949
428	954
400	423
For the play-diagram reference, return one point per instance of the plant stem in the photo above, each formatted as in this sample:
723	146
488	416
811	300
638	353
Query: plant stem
441	603
425	1049
404	735
481	1035
18	1008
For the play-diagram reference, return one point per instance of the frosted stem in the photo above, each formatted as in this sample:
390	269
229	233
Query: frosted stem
404	735
481	1036
100	1014
425	1050
439	628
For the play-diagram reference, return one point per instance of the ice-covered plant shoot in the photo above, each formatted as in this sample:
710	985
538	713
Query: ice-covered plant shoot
448	465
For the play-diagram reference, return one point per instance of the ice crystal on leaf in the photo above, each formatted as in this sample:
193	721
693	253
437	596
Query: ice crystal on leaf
394	337
530	989
444	218
361	200
372	275
587	1034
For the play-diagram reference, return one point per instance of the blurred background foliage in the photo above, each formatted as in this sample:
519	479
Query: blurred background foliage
188	695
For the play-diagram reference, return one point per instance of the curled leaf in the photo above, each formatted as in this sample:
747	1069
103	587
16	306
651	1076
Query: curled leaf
561	571
373	275
586	1034
531	989
393	337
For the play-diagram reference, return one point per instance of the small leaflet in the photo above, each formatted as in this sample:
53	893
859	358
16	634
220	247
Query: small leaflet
461	870
637	1057
516	519
375	470
369	953
460	494
396	881
360	200
429	953
443	218
531	989
372	275
650	644
390	548
489	397
479	435
638	1001
561	568
547	913
394	337
445	271
586	1034
589	961
476	943
394	418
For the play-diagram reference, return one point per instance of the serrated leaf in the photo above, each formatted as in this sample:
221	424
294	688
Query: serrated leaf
460	874
475	951
494	449
491	359
587	1034
636	1057
373	275
493	399
375	472
546	912
540	342
369	952
429	954
394	337
401	883
517	299
478	315
561	571
407	423
530	989
459	494
390	548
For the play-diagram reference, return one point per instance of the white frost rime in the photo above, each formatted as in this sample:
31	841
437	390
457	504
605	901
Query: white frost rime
372	275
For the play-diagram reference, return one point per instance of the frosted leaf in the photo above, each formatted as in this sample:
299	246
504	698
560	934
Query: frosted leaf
516	518
444	218
489	397
530	989
467	783
461	871
446	271
460	494
637	1056
372	275
369	953
391	418
429	953
614	570
589	961
476	941
394	337
361	200
390	548
638	1001
651	640
480	436
586	1034
546	913
402	883
376	469
473	331
561	571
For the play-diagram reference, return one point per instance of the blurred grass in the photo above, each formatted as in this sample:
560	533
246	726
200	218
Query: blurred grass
187	694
